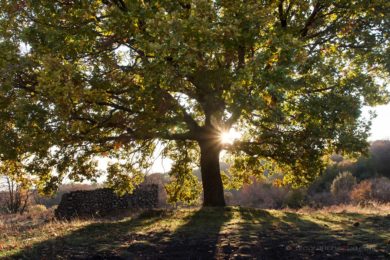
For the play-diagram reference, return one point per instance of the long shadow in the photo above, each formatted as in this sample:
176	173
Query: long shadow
253	233
196	239
364	231
199	237
85	242
293	237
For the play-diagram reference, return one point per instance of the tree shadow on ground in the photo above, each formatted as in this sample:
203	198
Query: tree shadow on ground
197	238
85	242
224	233
292	236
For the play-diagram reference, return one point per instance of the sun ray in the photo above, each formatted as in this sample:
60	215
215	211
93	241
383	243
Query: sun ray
230	136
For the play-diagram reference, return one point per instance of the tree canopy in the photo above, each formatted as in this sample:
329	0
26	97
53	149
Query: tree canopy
118	78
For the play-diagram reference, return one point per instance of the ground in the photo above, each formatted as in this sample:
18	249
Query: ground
207	233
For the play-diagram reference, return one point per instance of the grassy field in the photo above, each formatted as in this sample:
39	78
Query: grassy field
229	233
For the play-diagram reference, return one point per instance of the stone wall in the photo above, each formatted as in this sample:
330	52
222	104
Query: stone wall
101	202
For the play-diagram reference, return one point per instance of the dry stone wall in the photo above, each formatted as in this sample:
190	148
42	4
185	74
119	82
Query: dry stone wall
101	202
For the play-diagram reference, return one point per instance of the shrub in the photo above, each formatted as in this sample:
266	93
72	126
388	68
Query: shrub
321	199
381	189
37	209
342	185
361	192
380	156
296	199
184	189
323	182
260	195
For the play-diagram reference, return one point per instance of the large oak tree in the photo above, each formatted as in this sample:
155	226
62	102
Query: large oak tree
119	78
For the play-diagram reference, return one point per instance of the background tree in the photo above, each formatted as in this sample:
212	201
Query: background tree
380	157
17	185
118	78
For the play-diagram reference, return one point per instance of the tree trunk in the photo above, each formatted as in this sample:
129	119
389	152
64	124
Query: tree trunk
211	176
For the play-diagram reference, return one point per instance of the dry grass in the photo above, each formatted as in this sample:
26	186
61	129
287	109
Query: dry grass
371	208
215	233
19	222
21	231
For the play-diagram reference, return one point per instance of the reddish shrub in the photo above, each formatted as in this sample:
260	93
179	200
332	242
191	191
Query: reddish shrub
361	192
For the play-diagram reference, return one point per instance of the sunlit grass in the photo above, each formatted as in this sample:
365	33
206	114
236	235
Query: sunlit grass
232	224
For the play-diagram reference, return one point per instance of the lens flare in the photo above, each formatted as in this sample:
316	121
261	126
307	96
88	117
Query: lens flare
230	136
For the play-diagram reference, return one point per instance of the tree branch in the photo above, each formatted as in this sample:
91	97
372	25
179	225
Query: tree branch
233	118
191	123
282	16
317	8
133	136
246	146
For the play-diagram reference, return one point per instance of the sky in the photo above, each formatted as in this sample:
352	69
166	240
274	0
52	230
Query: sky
380	128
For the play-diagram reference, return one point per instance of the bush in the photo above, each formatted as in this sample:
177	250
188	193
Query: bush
361	193
342	185
321	199
375	189
380	156
381	189
296	199
184	189
260	195
37	209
